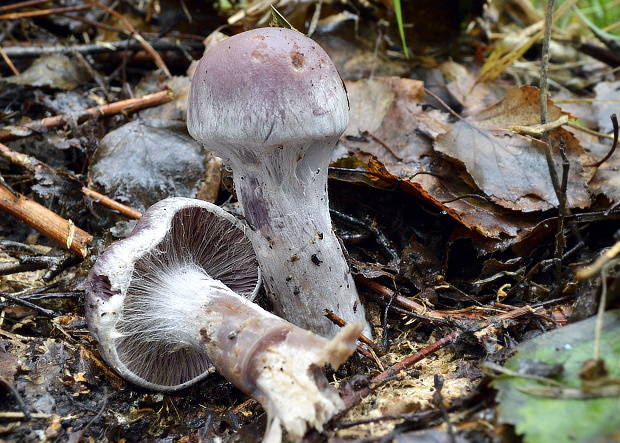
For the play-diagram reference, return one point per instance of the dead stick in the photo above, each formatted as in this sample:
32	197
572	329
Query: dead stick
112	204
386	294
355	397
341	322
42	12
22	5
9	63
129	105
145	45
31	164
50	224
555	181
120	47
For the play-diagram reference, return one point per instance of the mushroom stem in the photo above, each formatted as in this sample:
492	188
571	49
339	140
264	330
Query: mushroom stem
285	203
274	361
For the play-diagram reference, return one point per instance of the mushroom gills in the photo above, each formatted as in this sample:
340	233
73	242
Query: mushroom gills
265	356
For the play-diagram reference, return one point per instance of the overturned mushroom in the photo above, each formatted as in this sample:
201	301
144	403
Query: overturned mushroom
271	102
173	300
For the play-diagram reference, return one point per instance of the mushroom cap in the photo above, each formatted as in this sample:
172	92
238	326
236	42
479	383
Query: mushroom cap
266	87
175	232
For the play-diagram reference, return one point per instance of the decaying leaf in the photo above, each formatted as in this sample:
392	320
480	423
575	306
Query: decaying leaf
607	103
55	71
511	169
390	122
147	160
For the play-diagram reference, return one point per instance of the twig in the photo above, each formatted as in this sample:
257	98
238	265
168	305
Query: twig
340	322
42	12
15	414
599	263
97	416
560	241
129	105
417	417
19	301
614	122
544	70
17	398
145	45
443	103
32	164
460	197
112	204
381	239
21	5
9	63
386	294
598	326
93	48
439	402
387	147
62	231
355	397
14	268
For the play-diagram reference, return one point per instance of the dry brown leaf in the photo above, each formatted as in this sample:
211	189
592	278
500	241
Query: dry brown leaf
511	169
398	128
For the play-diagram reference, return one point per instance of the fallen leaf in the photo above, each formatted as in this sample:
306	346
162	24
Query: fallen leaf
54	71
570	412
511	169
607	103
398	132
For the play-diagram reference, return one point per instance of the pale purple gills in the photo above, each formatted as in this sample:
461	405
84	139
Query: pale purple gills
173	301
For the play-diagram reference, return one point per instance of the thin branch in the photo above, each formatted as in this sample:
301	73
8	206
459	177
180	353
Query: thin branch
19	301
331	316
95	48
50	224
614	122
9	63
22	5
32	164
42	12
145	45
355	397
544	70
17	398
129	105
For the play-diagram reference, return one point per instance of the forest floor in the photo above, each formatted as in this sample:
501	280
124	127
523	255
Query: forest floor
467	252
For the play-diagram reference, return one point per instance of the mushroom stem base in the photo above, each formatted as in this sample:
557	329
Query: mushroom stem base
276	362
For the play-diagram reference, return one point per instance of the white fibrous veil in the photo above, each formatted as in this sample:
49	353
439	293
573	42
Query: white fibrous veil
170	284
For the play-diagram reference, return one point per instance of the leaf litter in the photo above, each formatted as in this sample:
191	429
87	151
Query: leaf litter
443	193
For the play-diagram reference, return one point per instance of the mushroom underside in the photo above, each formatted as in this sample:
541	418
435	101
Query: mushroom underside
152	340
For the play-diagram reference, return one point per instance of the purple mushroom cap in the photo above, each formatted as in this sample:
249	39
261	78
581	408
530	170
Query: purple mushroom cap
266	87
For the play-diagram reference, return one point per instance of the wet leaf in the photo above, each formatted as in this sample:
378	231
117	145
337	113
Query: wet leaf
145	161
607	103
54	71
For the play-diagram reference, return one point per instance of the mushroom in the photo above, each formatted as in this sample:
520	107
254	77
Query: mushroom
271	103
173	301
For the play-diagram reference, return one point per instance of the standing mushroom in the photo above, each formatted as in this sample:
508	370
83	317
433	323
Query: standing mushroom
271	103
173	300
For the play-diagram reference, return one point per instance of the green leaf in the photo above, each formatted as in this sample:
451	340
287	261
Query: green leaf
556	414
401	26
278	20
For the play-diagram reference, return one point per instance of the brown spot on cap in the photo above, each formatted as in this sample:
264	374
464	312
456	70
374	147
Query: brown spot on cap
298	59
